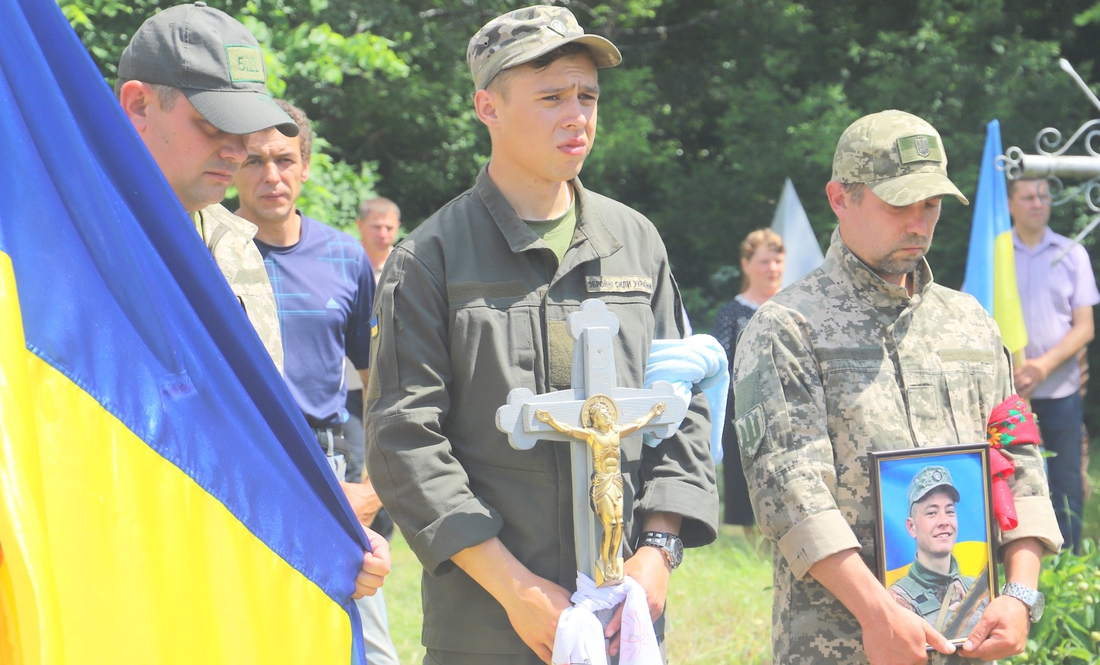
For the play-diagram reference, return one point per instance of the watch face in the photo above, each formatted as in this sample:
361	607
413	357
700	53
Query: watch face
1038	607
677	551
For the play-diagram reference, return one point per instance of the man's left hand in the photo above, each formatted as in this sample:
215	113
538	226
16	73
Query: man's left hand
649	568
376	565
1028	376
1000	633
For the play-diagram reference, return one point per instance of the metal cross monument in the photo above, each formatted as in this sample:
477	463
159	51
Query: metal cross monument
657	411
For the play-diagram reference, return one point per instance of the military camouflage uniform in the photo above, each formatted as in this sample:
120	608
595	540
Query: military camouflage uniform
526	34
229	239
923	591
837	365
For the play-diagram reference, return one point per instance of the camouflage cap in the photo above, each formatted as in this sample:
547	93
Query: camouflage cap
214	61
930	478
898	155
525	34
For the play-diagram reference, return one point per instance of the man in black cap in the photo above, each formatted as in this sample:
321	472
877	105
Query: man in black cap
192	82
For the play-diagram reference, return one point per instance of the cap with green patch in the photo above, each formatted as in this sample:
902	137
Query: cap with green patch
928	479
897	155
214	61
525	34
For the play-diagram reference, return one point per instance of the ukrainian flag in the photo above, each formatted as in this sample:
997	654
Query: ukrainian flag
160	500
990	261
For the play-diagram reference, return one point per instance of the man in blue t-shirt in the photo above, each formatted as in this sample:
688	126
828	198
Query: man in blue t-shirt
324	292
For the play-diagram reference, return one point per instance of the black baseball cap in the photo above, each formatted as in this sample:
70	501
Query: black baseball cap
214	61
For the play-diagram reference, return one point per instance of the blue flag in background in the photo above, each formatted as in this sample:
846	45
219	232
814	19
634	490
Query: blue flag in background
161	496
990	260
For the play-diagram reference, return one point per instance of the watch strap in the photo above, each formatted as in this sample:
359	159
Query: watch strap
669	544
1032	598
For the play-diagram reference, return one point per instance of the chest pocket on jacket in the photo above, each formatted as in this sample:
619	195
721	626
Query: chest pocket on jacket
970	390
495	318
636	330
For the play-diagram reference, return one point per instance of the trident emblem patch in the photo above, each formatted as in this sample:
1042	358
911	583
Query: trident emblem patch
920	144
750	430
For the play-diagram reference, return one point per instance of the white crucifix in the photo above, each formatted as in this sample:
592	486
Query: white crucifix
588	416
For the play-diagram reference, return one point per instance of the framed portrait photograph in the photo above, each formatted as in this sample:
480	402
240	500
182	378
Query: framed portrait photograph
934	525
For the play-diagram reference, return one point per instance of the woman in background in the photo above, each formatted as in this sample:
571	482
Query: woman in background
762	263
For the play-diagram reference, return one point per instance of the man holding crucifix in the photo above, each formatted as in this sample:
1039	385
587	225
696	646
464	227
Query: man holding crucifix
472	305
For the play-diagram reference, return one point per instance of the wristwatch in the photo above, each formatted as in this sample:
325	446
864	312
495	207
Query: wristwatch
669	544
1033	598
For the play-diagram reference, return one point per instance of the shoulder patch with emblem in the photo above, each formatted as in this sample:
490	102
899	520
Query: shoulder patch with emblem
750	430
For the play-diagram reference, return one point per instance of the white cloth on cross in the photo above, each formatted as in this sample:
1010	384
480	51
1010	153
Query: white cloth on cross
580	638
697	360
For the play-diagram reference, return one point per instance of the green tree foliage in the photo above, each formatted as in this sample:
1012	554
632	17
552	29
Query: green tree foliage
780	80
716	103
302	53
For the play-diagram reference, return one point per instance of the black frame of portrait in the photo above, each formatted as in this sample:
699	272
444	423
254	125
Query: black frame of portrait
988	579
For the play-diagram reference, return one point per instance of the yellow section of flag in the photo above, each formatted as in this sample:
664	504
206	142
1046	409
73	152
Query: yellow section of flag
112	554
1007	310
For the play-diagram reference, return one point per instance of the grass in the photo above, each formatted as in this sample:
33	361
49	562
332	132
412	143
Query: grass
403	602
1090	518
719	601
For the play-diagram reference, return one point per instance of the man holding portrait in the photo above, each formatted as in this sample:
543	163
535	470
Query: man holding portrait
868	354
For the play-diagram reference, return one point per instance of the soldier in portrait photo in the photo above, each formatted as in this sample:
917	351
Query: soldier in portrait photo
934	587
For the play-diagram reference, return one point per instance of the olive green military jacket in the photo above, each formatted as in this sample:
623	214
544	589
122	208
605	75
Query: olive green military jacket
837	365
471	305
229	239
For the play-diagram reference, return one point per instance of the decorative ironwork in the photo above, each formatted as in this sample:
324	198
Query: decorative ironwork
1051	162
1048	140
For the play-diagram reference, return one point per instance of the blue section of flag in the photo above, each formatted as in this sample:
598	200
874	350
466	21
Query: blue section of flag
990	264
991	219
119	293
971	511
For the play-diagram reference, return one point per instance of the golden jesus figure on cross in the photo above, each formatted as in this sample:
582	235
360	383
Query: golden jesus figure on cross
599	417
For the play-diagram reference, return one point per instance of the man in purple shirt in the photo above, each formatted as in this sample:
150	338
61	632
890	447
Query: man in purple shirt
1057	301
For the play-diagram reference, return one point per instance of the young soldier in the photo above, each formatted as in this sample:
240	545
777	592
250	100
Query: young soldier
472	304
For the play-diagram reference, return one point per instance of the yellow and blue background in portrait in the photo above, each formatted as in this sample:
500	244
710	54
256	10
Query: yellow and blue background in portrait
162	499
972	540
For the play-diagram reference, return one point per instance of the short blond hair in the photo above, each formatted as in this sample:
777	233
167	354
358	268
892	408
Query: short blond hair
759	238
379	205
